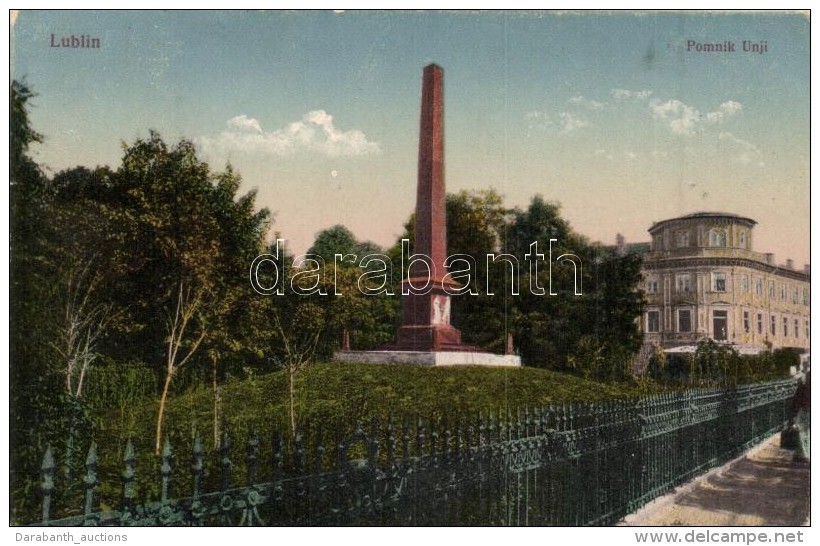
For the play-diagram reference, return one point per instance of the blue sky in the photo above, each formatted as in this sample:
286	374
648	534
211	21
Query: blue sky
608	114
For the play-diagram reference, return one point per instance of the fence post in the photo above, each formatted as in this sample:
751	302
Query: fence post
433	441
128	477
391	441
419	438
278	456
165	470
90	481
48	482
253	455
197	465
225	455
405	440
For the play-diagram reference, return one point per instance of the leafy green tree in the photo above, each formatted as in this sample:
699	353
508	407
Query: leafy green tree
340	240
190	240
593	334
41	413
162	244
360	297
476	227
80	261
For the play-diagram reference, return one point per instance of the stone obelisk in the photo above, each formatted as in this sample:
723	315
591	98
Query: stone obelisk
426	316
426	336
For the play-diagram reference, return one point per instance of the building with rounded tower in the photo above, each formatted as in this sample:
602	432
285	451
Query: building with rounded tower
703	279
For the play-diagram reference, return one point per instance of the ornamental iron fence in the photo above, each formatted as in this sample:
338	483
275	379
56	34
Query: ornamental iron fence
569	465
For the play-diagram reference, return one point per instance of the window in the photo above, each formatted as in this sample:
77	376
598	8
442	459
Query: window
657	242
653	321
746	321
683	282
771	290
795	295
682	239
808	330
719	323
651	285
684	320
717	237
785	327
744	283
796	328
773	325
805	295
719	282
742	239
784	291
758	286
760	323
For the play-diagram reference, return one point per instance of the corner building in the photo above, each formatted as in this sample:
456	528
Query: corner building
703	280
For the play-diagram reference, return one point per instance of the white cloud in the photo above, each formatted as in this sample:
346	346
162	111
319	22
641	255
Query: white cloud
314	133
727	109
536	116
537	120
570	123
586	103
731	107
565	122
739	141
683	119
625	94
243	122
680	117
747	152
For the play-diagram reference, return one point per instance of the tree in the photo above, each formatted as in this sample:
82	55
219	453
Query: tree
340	240
80	262
40	413
181	344
369	318
28	184
594	333
298	335
190	240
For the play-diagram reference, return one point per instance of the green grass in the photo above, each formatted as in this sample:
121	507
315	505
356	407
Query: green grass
335	395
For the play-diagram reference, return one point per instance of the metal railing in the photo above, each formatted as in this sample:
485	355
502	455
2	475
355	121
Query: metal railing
569	465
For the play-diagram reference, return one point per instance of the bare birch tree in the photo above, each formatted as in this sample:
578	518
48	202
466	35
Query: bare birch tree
182	345
82	323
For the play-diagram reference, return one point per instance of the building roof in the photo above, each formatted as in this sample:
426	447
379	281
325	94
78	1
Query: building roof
705	215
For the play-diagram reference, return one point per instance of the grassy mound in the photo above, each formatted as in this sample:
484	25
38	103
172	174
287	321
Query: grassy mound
335	395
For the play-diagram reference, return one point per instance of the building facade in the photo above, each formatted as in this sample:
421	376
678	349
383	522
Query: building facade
702	279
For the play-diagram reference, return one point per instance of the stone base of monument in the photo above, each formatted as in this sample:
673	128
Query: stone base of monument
429	358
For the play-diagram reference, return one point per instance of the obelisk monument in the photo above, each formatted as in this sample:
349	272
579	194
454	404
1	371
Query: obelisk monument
426	316
426	336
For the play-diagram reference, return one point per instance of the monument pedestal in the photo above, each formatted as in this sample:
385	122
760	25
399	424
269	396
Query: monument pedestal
430	358
423	337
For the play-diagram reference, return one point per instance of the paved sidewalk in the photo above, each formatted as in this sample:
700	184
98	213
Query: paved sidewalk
763	487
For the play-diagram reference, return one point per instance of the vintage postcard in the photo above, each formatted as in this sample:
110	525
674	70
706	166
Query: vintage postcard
408	268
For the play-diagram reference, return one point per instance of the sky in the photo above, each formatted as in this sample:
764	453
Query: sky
616	116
